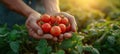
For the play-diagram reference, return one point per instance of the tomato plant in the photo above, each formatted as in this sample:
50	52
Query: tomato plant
17	41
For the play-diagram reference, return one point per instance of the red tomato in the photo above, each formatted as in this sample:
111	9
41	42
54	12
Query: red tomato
64	20
50	23
40	23
55	31
58	19
52	19
62	27
46	27
68	28
45	18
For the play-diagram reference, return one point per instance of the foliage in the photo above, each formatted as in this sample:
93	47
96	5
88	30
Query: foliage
17	41
104	36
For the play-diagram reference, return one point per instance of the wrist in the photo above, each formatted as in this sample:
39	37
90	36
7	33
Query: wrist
34	13
53	12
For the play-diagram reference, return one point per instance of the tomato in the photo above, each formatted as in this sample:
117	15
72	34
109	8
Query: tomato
45	18
64	20
46	27
40	23
62	27
58	19
68	28
52	19
50	23
55	19
55	31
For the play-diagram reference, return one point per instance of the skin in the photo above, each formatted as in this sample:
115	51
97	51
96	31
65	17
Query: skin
51	7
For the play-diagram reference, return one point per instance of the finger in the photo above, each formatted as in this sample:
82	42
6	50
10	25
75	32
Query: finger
55	39
35	27
29	32
47	36
31	22
61	36
67	35
34	35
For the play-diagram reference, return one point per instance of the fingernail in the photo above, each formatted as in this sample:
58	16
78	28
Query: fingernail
61	36
55	39
40	32
48	36
67	35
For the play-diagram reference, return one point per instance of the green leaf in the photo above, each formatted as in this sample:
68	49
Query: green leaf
74	52
87	48
71	42
49	49
60	52
3	31
80	49
68	44
91	49
111	39
95	51
42	47
14	46
13	35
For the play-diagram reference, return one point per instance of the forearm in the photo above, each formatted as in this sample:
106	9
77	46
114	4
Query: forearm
19	6
51	6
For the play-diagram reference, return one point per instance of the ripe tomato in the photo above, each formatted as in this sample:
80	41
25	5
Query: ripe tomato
68	28
55	20
64	20
58	19
55	31
45	18
50	23
40	23
52	19
46	27
62	27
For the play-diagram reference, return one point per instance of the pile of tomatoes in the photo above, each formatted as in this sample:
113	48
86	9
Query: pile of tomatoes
54	25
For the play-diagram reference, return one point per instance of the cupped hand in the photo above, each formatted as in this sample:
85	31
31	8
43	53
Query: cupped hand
73	26
33	29
36	32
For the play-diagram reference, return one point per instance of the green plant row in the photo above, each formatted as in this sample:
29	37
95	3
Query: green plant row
17	41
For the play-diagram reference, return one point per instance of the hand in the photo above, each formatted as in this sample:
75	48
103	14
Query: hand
34	30
73	26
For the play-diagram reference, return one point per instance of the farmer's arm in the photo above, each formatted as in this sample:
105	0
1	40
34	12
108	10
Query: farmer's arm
19	6
51	6
32	16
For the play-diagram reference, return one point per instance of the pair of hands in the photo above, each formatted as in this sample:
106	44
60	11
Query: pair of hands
36	32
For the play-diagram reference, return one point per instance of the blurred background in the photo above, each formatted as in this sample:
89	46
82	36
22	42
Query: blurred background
98	29
87	11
